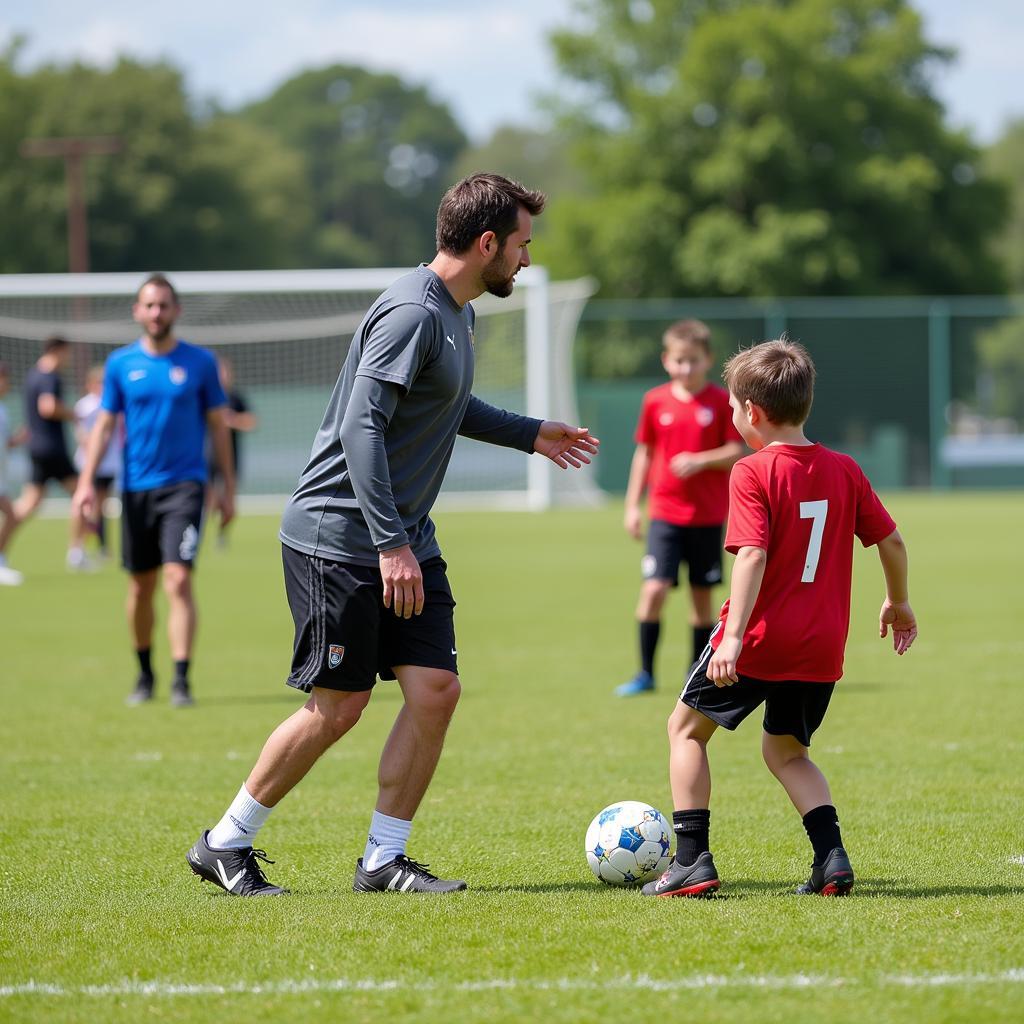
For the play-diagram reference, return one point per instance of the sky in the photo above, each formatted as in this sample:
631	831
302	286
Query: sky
488	68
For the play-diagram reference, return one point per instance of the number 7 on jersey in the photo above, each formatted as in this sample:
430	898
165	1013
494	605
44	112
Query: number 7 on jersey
817	512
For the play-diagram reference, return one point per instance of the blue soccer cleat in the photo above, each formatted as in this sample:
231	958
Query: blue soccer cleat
642	682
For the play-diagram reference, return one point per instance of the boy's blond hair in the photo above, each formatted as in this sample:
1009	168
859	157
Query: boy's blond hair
776	375
695	331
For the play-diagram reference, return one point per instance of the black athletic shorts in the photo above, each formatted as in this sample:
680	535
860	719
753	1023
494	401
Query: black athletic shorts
51	467
791	707
345	637
161	526
668	545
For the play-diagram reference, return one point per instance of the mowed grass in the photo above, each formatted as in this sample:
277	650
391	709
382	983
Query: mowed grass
101	919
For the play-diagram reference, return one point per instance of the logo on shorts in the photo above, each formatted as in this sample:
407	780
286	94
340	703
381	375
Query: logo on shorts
189	543
178	375
648	566
334	655
705	416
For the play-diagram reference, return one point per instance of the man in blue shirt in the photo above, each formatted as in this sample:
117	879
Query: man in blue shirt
169	393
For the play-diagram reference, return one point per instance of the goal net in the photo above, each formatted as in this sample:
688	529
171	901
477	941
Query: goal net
286	334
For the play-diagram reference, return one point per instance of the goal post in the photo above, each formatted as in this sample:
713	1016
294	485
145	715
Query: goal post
286	334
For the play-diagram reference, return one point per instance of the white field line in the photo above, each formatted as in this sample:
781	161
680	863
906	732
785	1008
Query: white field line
1014	976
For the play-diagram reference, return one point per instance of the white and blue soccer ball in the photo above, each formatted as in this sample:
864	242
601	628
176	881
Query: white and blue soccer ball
628	843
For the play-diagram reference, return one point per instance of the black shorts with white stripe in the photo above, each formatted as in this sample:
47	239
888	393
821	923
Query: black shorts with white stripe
791	707
345	637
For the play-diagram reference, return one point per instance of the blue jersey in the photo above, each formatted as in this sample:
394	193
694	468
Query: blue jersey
164	399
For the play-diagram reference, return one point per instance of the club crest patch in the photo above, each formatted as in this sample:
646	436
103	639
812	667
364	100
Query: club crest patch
705	416
334	655
178	375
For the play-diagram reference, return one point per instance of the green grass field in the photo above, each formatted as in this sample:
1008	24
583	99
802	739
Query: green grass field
102	920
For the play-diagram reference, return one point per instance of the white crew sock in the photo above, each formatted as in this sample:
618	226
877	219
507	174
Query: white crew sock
386	840
242	820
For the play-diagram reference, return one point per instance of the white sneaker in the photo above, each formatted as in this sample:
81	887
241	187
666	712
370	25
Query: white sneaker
78	561
10	577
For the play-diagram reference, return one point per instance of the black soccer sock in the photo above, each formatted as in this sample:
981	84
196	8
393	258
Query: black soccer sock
145	667
101	534
692	829
701	636
822	824
181	670
649	633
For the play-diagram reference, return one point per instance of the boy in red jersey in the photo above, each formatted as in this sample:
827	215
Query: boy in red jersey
686	444
794	510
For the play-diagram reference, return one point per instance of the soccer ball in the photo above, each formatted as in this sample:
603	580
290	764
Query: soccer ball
628	843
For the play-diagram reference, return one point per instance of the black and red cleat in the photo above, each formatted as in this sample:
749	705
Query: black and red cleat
699	879
833	878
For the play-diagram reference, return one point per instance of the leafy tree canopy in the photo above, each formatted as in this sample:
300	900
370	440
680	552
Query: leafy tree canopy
759	147
378	154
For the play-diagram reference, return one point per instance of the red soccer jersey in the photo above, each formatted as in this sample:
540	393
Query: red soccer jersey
669	426
803	505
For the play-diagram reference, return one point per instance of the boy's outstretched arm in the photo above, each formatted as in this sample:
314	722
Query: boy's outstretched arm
896	612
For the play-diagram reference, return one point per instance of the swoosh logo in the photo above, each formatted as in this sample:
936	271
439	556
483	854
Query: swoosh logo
229	883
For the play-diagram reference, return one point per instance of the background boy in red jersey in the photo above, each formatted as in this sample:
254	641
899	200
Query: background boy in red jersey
686	444
794	510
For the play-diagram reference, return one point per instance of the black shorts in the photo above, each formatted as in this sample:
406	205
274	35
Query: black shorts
51	467
791	707
668	545
345	637
161	526
103	483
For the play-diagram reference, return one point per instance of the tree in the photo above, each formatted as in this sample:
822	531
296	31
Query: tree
1004	161
759	147
180	194
378	154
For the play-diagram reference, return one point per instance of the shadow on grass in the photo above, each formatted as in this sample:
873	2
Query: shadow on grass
876	887
869	888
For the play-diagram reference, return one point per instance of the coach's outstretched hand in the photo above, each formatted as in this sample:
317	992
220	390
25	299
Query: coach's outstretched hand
565	446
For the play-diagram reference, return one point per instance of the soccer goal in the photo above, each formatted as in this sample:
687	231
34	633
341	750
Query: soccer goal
286	334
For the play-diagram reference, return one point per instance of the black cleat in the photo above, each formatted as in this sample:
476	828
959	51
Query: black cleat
143	690
181	695
699	879
237	872
833	878
402	875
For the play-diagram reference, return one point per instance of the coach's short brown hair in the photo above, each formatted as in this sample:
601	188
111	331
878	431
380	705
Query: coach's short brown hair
479	203
776	375
161	281
695	331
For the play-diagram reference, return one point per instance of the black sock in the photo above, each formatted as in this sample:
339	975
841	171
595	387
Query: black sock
101	534
692	829
822	826
144	664
701	636
649	632
181	671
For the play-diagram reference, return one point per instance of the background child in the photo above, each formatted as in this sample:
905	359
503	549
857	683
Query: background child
686	443
87	408
794	510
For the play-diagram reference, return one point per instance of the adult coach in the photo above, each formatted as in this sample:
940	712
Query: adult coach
169	393
363	570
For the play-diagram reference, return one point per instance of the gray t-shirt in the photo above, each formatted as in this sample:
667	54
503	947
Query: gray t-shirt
380	455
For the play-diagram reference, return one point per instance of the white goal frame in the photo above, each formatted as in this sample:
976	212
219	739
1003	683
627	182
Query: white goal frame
551	315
